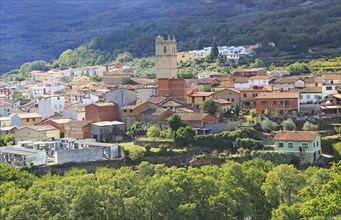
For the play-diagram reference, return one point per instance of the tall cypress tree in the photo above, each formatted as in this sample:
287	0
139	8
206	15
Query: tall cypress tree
214	50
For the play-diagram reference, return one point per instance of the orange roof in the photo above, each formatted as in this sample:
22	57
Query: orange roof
262	88
193	116
296	135
336	76
260	77
279	95
201	94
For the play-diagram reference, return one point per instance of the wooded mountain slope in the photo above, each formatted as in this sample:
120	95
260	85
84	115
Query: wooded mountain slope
32	29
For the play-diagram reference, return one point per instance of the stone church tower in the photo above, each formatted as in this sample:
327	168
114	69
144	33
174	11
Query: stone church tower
166	63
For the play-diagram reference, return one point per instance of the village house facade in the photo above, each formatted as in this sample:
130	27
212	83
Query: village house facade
106	111
284	103
304	144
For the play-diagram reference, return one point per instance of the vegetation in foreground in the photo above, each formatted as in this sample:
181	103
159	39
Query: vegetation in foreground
256	189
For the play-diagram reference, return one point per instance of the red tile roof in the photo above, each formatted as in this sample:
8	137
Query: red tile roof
260	77
278	95
295	135
202	94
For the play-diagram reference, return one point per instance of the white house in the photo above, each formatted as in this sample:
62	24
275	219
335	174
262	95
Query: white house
147	91
241	83
230	58
37	91
50	105
121	97
288	83
310	95
75	111
6	107
330	83
260	80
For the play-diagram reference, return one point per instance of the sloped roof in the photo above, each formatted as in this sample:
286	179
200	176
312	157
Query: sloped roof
154	111
202	94
241	80
260	77
157	99
336	76
312	90
287	80
295	135
29	115
313	79
193	116
75	123
278	95
40	128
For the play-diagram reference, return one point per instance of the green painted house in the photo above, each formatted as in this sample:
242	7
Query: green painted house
304	144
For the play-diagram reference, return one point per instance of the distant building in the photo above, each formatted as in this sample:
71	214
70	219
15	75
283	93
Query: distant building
166	57
284	103
197	98
20	156
36	133
174	88
78	129
26	119
50	105
304	144
330	83
106	111
249	72
6	107
107	131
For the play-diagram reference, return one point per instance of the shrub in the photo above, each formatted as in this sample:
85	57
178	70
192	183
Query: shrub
166	133
274	157
136	155
288	125
184	136
337	149
247	143
327	144
148	147
309	126
267	125
163	150
153	131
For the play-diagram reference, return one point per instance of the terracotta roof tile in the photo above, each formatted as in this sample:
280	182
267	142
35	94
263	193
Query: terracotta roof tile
201	94
295	135
278	95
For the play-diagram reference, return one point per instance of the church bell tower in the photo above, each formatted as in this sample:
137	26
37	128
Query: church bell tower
166	63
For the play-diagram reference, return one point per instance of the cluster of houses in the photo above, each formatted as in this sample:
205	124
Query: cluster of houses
229	54
72	118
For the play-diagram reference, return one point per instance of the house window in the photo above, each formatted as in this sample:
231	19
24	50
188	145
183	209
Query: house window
34	119
317	143
228	99
232	100
308	96
281	112
286	104
58	98
280	145
203	98
124	110
164	49
301	96
281	102
263	102
131	111
316	96
274	102
305	145
27	119
329	88
244	95
192	99
313	144
290	145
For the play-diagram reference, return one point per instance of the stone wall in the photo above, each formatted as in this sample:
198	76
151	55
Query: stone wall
221	126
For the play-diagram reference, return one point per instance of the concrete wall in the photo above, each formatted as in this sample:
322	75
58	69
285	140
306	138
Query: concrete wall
120	97
39	159
310	109
80	155
221	126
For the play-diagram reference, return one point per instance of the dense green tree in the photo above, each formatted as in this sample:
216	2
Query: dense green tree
298	68
153	131
175	122
214	50
209	106
268	125
17	95
288	125
7	139
124	57
184	136
309	126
